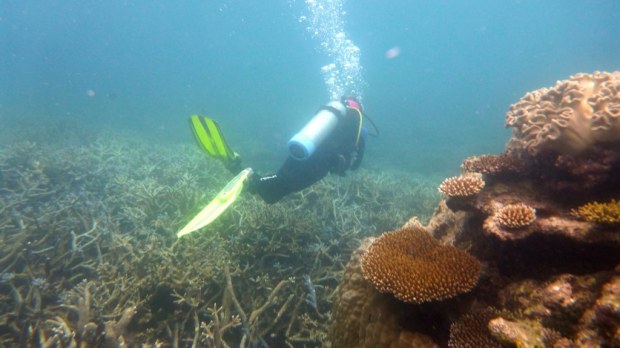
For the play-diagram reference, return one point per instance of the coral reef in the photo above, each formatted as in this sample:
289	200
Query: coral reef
471	330
513	216
600	324
364	317
492	164
461	186
522	334
89	256
546	260
410	264
549	250
570	117
602	213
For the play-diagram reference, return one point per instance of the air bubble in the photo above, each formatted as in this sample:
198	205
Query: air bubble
326	23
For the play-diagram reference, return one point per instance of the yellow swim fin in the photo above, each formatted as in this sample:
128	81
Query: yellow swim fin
210	138
218	205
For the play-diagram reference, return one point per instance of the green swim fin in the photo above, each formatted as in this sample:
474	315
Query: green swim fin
210	138
218	205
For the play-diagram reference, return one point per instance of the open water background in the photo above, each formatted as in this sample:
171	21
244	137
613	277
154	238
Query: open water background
145	66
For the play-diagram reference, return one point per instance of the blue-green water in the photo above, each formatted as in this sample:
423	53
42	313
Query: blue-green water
255	66
99	170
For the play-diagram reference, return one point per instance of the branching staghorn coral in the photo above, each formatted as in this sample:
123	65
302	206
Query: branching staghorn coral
89	253
461	186
602	213
213	332
514	216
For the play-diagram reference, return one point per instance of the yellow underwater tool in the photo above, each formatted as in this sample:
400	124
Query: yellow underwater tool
218	205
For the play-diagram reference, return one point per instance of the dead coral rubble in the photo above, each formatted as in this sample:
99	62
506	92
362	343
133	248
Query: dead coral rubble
89	256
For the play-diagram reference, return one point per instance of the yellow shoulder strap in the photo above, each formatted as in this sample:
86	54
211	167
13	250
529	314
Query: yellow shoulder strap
359	127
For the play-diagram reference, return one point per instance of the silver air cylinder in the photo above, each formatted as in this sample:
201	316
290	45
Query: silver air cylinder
303	144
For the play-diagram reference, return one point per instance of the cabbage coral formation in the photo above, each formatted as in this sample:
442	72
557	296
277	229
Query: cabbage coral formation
461	186
570	117
515	216
416	268
604	213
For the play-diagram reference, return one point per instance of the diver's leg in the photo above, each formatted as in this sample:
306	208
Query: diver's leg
292	177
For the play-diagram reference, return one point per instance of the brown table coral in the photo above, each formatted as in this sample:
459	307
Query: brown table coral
414	267
365	318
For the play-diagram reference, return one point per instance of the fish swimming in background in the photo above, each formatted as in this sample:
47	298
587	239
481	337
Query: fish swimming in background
311	295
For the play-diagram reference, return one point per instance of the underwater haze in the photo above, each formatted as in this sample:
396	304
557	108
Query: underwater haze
100	172
438	76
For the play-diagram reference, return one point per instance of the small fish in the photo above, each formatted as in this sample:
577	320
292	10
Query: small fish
311	295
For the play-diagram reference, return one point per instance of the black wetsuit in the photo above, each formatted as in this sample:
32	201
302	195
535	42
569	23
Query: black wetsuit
342	150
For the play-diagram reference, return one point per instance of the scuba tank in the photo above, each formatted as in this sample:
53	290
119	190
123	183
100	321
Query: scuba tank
303	144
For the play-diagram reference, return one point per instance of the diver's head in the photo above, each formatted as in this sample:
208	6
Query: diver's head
352	102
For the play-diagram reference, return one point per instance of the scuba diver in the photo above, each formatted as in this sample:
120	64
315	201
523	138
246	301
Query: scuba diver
333	141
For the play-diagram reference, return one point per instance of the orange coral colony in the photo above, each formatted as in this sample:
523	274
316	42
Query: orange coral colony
603	213
415	268
515	216
461	186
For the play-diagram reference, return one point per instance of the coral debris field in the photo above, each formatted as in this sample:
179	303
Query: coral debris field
89	255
